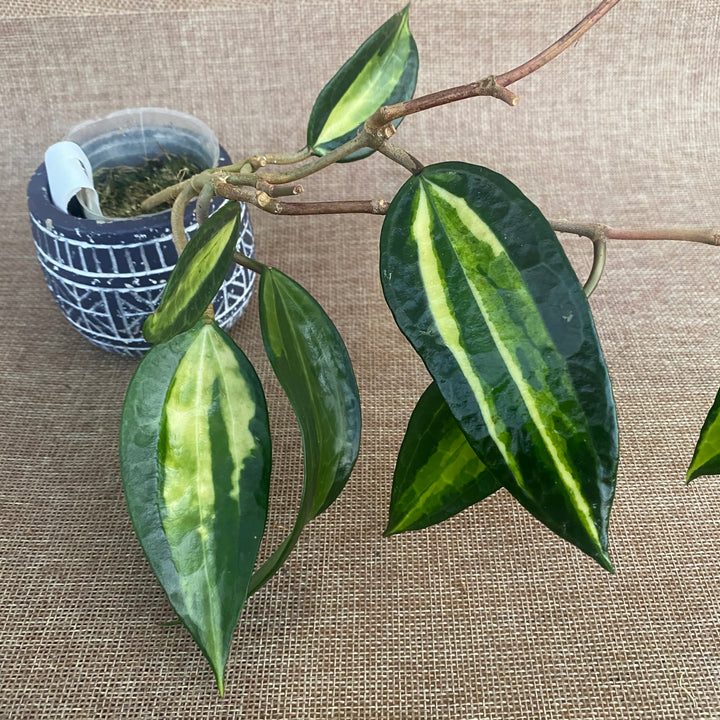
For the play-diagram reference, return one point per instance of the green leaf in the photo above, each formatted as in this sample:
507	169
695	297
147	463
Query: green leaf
382	71
481	287
437	474
198	275
195	464
706	459
312	364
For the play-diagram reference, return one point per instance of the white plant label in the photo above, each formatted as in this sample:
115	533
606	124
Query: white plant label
70	175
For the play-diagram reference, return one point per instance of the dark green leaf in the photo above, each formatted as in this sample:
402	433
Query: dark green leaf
195	463
312	364
198	275
382	71
437	472
706	460
480	285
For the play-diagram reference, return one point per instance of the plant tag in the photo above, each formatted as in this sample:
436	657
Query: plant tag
70	175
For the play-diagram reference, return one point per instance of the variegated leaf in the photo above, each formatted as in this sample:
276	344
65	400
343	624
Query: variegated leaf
313	366
195	463
437	473
382	71
706	459
197	276
479	284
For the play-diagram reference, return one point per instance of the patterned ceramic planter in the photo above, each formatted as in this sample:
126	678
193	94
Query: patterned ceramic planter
107	276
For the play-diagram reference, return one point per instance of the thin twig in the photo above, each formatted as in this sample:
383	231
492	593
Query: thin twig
487	86
277	207
202	205
362	140
278	190
249	263
400	156
706	236
258	161
599	234
551	52
177	217
493	86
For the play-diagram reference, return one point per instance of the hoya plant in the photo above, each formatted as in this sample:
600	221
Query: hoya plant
479	284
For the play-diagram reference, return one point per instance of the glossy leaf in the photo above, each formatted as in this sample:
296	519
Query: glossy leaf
197	276
195	463
706	459
437	473
312	364
382	71
480	285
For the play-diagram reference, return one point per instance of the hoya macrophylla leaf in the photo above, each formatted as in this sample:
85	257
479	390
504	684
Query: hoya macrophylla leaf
197	276
312	364
479	284
706	459
195	464
437	473
382	71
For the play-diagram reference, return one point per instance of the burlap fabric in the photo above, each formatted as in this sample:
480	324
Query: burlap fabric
489	615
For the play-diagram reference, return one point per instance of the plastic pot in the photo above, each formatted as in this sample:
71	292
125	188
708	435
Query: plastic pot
107	276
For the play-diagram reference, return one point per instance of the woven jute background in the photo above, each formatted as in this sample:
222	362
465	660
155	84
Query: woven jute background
488	615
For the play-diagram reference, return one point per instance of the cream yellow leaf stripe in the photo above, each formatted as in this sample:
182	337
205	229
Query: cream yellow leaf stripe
539	405
366	94
206	377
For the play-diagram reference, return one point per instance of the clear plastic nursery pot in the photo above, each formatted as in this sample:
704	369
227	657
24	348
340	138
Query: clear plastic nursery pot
107	275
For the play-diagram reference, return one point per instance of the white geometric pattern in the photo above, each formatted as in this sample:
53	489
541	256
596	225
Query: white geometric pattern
106	289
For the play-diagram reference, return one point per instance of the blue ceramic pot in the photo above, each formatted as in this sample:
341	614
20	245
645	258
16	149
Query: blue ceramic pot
107	276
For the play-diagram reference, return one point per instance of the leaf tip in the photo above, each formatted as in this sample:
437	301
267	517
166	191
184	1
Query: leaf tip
604	560
390	530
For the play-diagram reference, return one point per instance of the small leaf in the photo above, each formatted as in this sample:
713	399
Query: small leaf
706	459
198	275
480	285
195	464
437	474
312	364
382	71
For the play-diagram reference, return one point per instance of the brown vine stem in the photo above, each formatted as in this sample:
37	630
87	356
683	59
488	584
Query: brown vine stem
599	234
277	207
257	161
249	263
706	236
400	156
552	51
493	86
177	216
362	140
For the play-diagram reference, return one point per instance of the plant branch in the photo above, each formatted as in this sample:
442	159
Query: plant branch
362	140
487	86
249	263
551	52
258	161
177	217
600	234
277	207
204	199
706	236
400	156
493	86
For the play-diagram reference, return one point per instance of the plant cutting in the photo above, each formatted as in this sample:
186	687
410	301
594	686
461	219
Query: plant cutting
477	281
